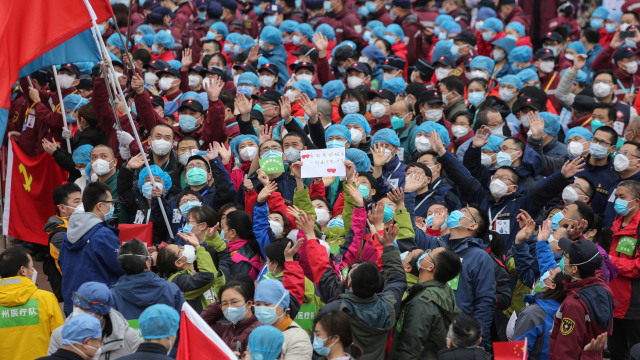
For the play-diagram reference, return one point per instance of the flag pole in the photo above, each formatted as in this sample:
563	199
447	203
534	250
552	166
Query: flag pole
109	92
110	79
62	111
102	47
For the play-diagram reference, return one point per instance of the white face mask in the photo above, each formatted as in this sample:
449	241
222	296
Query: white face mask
459	131
506	94
498	188
194	81
248	153
547	66
575	148
189	253
165	83
356	136
433	115
34	275
569	195
150	78
235	79
631	67
497	131
101	167
350	107
276	228
65	81
291	95
161	147
389	76
266	81
354	81
601	90
422	144
94	177
387	153
485	160
479	74
498	55
322	216
378	110
524	121
442	73
307	77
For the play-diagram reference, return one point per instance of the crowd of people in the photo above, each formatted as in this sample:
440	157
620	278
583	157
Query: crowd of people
491	189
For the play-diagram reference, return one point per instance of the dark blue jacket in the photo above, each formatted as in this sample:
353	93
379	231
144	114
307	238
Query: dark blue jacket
134	293
603	179
149	351
89	253
440	191
502	214
392	175
286	186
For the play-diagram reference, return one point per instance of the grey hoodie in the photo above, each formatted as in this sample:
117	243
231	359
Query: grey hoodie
80	223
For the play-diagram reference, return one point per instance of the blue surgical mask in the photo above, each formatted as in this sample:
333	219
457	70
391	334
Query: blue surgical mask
298	3
235	314
367	36
504	159
266	315
335	144
318	346
397	122
596	23
335	222
271	154
296	40
137	39
186	229
598	151
327	6
364	191
371	6
271	20
155	50
512	37
390	39
109	215
258	10
148	187
476	98
70	118
544	277
429	222
363	12
621	207
187	122
101	28
388	213
436	30
237	49
611	28
442	36
133	109
212	36
201	16
561	264
630	43
453	220
228	48
244	90
184	209
555	220
487	36
392	15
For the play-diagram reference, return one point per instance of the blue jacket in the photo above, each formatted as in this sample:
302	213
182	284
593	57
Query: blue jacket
286	186
476	292
278	57
261	227
89	253
603	177
392	175
503	213
134	293
439	190
535	323
591	55
555	149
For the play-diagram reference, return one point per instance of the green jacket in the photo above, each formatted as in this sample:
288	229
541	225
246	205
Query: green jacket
458	106
407	139
404	224
422	328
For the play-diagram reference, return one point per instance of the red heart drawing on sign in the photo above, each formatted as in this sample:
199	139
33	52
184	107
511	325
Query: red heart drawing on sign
331	170
305	156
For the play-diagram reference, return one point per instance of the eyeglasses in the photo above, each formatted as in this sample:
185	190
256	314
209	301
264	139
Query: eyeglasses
595	140
196	166
627	154
266	149
473	218
184	200
502	178
505	148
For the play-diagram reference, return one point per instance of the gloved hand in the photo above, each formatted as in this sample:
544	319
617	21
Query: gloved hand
66	134
124	138
125	152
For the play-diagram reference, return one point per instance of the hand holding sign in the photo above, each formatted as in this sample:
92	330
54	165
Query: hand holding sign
323	162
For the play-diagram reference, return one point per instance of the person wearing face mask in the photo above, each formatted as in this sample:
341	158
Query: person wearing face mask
509	90
461	128
199	172
554	41
195	75
272	50
53	119
387	167
359	129
170	83
545	63
393	67
94	299
66	197
463	47
358	74
564	17
380	101
625	163
17	287
81	338
163	43
421	141
98	257
571	332
477	91
544	133
423	189
519	60
444	65
626	69
103	164
403	122
244	149
452	90
501	49
491	31
241	242
234	23
159	328
268	76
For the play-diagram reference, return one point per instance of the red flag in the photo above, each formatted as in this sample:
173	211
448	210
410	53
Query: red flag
198	340
31	28
510	350
142	232
28	190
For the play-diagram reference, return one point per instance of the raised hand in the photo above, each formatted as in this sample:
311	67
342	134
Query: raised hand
214	89
306	224
482	137
296	169
527	226
379	156
190	238
579	61
352	174
34	95
355	194
212	231
242	105
544	231
265	134
321	43
413	182
536	124
376	216
291	250
212	152
572	167
224	153
285	110
137	84
253	54
136	162
262	177
436	143
597	343
186	59
309	106
49	146
397	196
439	217
268	189
388	236
247	183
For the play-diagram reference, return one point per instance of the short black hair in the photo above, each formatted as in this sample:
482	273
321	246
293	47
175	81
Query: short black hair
205	214
359	98
62	192
422	166
514	173
227	99
592	189
608	72
633	186
448	265
12	259
94	193
162	125
199	158
611	110
188	138
132	256
464	331
453	83
215	43
633	13
613	135
484	83
142	55
241	283
186	192
275	250
591	35
366	280
585	212
482	219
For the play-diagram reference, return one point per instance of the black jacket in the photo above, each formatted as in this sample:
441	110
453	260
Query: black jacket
149	351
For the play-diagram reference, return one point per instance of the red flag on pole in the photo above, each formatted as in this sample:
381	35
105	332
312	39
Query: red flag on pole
28	194
142	232
510	350
198	340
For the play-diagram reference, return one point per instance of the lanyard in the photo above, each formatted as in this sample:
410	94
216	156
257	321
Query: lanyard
550	81
29	110
631	90
394	170
493	219
428	196
587	121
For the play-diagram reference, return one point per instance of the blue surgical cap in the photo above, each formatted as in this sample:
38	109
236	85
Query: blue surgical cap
385	135
442	48
379	32
493	24
528	75
600	12
615	16
359	158
82	154
233	37
578	47
396	30
395	85
579	131
265	342
305	87
306	30
271	35
357	119
374	24
288	26
442	18
493	143
517	27
485	13
189	95
246	42
505	43
159	321
332	89
339	130
175	64
326	30
249	78
220	28
73	102
170	107
551	123
442	131
155	171
147	39
482	62
374	54
94	297
114	40
450	27
79	328
203	99
348	43
164	38
582	77
145	29
272	292
236	141
521	54
511	80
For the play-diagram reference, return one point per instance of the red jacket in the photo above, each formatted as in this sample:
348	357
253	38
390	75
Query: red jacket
484	47
383	16
603	61
549	83
518	15
557	22
571	332
626	286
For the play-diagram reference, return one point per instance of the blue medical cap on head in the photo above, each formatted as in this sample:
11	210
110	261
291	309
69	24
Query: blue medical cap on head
615	16
82	154
249	78
396	30
551	123
236	141
265	342
493	143
579	131
94	297
485	13
277	130
442	131
442	48
147	39
85	67
114	40
359	158
262	60
73	102
395	85
348	43
600	12
527	75
164	38
582	77
327	31
482	62
189	95
272	292
288	26
145	29
170	108
233	37
305	87
246	42
442	18
203	99
374	54
159	321
306	30
386	135
517	27
505	43
220	28
332	89
379	31
357	119
511	80
451	27
493	24
373	24
337	129
578	47
175	64
155	171
271	35
79	328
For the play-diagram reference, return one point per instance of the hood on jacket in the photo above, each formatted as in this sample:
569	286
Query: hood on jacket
128	287
15	291
53	223
375	314
80	223
441	295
